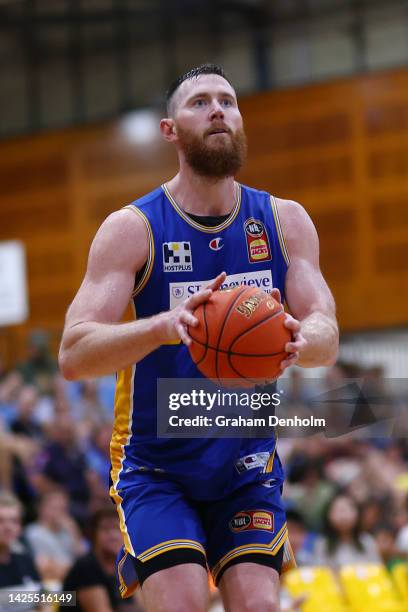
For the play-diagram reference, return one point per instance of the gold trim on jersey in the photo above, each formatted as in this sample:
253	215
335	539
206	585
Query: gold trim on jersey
169	545
289	560
279	231
267	549
150	257
269	465
203	228
122	431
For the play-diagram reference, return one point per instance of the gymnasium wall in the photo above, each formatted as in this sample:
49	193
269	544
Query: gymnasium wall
339	148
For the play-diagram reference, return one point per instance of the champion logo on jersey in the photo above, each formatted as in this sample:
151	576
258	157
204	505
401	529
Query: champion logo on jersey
257	241
177	257
216	244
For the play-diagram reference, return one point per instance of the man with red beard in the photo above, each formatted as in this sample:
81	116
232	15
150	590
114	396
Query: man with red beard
185	504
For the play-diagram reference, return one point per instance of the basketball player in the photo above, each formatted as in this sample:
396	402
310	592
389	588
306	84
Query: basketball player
186	503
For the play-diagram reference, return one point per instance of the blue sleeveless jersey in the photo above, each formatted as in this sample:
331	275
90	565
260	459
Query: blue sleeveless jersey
183	256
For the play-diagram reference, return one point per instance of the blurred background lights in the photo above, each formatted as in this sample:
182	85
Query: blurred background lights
140	127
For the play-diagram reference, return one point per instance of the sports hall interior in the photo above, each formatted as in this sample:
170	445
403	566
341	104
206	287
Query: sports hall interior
323	90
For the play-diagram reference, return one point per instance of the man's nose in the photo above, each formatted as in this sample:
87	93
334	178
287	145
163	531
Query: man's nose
216	110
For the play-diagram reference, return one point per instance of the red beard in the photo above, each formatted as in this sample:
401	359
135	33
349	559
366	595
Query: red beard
217	160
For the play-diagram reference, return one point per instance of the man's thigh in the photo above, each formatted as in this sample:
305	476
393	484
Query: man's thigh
249	587
249	526
161	530
181	588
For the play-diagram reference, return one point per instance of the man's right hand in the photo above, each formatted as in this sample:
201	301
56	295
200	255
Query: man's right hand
172	325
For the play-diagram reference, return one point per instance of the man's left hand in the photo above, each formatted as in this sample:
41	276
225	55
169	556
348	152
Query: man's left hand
298	343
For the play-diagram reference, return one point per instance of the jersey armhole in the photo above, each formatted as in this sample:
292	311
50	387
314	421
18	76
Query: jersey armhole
146	270
279	231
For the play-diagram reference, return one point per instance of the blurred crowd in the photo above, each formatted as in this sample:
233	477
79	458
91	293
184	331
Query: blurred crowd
346	496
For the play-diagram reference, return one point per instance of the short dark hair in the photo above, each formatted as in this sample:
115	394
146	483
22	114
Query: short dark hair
193	74
100	515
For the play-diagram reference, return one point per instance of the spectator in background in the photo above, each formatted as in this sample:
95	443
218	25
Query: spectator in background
371	512
9	388
402	537
301	540
88	410
343	542
93	576
55	538
98	460
39	368
385	537
309	491
25	422
63	463
17	567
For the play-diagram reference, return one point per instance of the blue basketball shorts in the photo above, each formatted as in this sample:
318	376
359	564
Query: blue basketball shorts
158	521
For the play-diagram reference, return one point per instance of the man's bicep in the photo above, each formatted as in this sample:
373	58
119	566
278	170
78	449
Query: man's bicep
306	289
112	265
103	301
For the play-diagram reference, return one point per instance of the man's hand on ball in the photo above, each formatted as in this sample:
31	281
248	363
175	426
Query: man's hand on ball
173	323
298	342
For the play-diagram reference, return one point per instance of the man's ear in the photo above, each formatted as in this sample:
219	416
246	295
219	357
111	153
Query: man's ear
168	129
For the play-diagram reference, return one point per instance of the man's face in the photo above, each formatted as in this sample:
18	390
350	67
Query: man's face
108	538
10	525
209	126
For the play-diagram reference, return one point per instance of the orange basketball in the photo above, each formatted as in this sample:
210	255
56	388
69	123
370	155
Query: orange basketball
240	336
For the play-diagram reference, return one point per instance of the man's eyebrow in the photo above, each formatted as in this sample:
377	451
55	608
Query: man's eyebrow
203	94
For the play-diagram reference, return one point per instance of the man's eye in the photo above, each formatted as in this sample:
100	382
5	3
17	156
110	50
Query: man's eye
227	102
199	102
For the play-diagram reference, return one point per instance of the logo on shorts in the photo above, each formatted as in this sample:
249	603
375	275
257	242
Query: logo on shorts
257	241
249	462
177	257
240	522
252	520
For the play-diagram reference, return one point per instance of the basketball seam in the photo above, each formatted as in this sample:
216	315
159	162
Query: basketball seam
251	380
234	353
231	306
254	326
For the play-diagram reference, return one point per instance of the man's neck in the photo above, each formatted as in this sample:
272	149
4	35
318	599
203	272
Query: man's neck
200	195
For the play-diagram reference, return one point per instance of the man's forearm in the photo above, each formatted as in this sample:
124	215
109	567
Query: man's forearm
95	349
322	336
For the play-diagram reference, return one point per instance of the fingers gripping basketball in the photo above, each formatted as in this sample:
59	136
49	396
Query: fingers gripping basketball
240	336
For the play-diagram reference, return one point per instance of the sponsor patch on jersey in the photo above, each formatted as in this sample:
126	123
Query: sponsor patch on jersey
252	520
261	279
249	462
257	241
216	244
177	257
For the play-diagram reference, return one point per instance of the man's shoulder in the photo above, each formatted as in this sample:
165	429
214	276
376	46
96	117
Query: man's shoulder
149	198
253	191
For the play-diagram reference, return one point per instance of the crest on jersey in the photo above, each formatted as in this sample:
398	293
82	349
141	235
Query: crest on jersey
257	241
177	292
177	257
